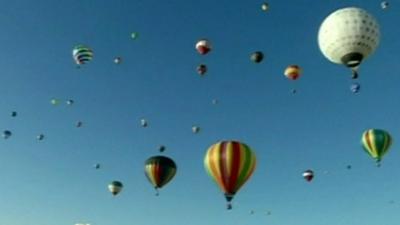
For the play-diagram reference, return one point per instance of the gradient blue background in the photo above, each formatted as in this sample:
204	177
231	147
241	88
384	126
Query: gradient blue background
319	128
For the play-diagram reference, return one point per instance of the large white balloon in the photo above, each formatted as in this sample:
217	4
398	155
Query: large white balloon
348	36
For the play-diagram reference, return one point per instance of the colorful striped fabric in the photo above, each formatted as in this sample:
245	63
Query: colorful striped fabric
159	170
376	143
230	164
82	54
293	72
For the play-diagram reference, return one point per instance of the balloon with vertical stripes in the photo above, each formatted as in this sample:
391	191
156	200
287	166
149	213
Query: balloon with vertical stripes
159	170
230	164
376	143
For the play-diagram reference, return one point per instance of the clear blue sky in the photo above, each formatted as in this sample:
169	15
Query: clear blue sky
319	128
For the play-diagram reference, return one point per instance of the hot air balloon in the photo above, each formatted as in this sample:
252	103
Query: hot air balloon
6	134
13	114
195	129
82	54
117	60
79	124
115	187
293	72
203	46
257	57
308	175
161	148
201	69
265	7
384	5
230	164
143	123
159	170
54	101
355	88
134	35
40	137
376	143
70	102
348	36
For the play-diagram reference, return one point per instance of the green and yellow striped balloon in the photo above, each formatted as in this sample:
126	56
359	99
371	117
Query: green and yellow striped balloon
376	143
230	164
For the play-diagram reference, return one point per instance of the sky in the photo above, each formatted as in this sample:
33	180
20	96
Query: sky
53	181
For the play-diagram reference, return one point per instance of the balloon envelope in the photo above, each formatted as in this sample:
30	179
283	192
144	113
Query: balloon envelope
348	36
308	175
82	54
230	164
159	170
376	143
115	187
293	72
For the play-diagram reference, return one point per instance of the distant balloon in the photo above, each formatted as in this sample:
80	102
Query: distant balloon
376	143
265	7
134	35
79	124
54	101
294	91
308	175
201	69
384	4
269	213
293	72
215	101
143	123
251	212
117	60
195	129
70	102
230	164
203	46
13	114
355	88
97	166
82	54
348	167
161	148
115	187
348	36
40	137
159	170
257	57
6	134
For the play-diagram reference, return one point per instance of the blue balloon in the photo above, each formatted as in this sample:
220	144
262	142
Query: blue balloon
355	87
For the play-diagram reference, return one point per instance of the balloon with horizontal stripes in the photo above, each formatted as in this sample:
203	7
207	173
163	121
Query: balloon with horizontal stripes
376	143
82	54
159	170
230	164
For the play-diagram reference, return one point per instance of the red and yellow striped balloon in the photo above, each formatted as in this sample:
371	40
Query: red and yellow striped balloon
230	164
